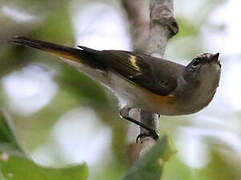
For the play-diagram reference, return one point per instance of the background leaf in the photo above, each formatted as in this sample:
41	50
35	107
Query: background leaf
15	165
151	165
8	142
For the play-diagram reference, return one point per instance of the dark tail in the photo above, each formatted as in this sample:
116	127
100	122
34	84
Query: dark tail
73	54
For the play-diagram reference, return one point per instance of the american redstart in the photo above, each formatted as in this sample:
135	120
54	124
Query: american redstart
141	81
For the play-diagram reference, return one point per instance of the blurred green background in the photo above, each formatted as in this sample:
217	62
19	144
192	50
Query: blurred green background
68	125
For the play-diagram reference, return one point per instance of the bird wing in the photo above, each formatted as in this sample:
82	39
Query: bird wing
143	70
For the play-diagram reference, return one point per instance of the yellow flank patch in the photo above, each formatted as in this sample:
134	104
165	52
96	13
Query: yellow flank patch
133	62
161	102
64	55
170	99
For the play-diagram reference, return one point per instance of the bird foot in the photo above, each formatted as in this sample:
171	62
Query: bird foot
153	134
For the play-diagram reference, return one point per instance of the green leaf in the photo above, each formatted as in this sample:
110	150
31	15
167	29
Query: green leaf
17	168
8	142
15	165
151	165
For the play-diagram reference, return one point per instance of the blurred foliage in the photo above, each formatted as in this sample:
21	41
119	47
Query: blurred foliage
19	168
187	28
151	165
14	164
217	169
8	142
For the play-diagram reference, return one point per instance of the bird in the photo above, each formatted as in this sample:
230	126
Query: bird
141	81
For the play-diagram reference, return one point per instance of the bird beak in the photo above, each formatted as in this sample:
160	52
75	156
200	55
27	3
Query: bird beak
214	58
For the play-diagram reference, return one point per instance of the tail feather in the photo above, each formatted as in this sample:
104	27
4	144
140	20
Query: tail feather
73	54
84	56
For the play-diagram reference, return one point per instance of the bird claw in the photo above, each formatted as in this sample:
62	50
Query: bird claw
153	134
124	113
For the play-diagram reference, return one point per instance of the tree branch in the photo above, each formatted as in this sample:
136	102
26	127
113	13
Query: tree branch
162	26
139	20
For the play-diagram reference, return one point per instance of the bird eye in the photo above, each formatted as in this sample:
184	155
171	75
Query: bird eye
196	62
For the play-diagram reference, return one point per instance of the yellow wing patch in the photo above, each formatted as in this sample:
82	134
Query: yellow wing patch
132	59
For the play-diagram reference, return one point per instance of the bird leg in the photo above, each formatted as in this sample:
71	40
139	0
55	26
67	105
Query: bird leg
124	113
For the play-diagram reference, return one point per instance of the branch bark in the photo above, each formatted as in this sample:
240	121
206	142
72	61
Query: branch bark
139	20
161	27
